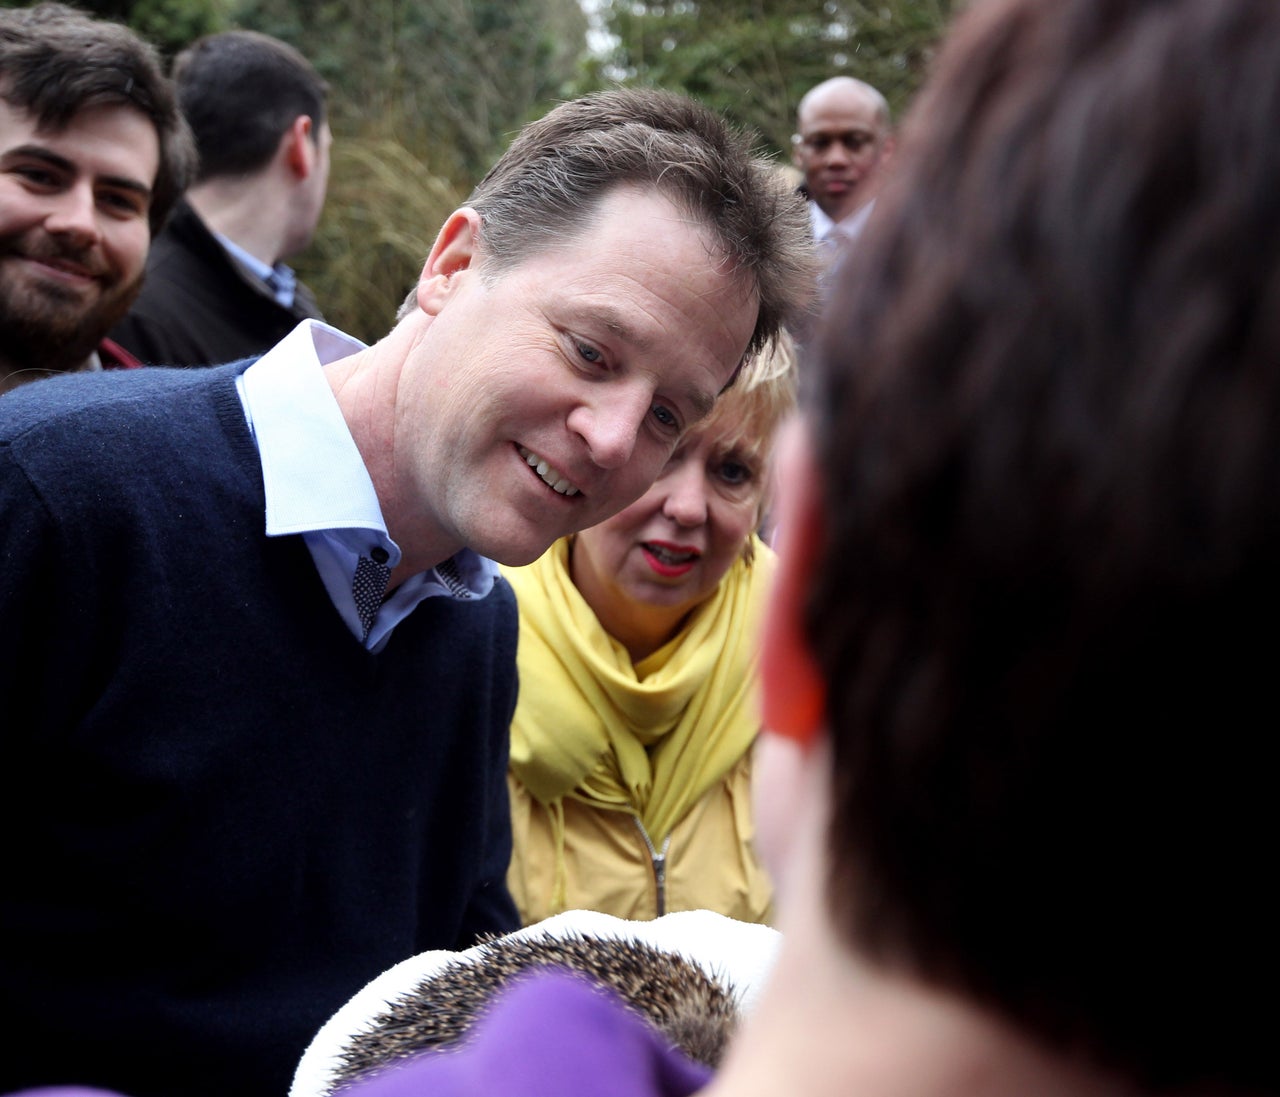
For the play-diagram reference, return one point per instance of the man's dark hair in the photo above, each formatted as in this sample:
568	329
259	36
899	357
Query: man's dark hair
241	91
547	187
1046	411
56	62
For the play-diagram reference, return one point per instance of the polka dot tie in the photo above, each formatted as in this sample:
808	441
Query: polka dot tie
368	587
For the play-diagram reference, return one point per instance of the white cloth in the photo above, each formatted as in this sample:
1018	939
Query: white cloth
741	952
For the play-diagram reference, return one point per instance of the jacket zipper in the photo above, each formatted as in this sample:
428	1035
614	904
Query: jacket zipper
659	861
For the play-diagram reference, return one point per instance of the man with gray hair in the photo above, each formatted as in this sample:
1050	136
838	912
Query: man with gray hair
93	153
267	659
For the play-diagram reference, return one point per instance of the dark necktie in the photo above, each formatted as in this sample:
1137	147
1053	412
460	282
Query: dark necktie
368	587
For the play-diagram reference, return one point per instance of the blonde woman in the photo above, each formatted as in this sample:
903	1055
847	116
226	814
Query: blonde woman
631	743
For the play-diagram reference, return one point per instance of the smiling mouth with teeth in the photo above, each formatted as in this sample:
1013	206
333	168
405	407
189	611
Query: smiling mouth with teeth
550	476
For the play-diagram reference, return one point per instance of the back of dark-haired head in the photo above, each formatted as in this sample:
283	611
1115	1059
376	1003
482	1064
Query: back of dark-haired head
241	91
1046	407
547	186
56	62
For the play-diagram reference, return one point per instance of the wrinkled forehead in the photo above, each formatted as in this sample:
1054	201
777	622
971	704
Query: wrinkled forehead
594	225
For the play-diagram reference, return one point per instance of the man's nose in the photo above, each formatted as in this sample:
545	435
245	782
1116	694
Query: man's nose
609	425
838	152
74	215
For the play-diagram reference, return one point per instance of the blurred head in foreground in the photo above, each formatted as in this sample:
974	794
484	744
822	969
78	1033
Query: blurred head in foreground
1021	646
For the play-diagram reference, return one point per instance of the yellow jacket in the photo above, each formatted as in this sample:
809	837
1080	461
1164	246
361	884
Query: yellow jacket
608	865
630	783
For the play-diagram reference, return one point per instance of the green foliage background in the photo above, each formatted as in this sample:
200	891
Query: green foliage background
753	59
426	93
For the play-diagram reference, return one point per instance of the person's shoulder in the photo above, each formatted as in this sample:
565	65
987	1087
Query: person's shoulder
495	615
101	445
183	250
54	400
183	228
503	593
109	401
177	256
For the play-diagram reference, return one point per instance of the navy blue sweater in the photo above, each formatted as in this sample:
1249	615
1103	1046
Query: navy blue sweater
220	814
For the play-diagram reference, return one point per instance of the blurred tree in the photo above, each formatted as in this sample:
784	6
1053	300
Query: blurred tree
384	208
455	77
170	24
424	96
754	59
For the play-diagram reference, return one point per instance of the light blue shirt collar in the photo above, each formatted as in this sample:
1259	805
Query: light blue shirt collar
311	469
316	483
822	224
280	279
826	229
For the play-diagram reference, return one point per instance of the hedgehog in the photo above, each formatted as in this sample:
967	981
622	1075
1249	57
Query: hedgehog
689	1007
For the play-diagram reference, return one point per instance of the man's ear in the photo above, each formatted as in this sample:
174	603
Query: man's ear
454	251
300	149
793	689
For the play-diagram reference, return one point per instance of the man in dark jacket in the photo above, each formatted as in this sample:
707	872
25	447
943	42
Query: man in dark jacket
217	287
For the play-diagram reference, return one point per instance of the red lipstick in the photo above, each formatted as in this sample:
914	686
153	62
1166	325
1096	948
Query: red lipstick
668	560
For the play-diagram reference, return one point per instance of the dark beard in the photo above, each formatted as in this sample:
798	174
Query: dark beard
44	331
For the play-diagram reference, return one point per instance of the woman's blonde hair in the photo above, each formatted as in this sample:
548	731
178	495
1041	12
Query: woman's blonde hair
762	395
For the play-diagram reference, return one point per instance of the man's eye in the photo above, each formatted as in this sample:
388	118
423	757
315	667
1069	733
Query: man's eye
854	142
588	353
39	177
666	417
122	204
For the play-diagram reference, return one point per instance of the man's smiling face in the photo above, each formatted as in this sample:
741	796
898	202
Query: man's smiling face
548	396
74	233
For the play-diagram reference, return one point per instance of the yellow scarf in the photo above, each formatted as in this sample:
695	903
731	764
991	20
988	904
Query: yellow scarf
649	738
